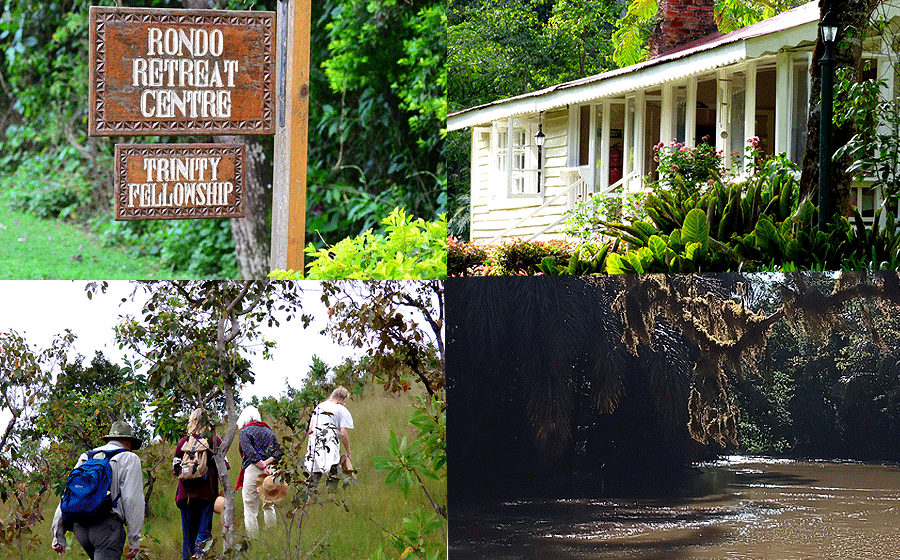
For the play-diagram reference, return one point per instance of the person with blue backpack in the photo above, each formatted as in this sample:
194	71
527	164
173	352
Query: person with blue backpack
103	495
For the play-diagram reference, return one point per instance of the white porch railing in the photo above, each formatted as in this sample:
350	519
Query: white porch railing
579	188
577	184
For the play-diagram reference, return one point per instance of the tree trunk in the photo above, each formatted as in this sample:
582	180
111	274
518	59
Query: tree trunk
251	233
224	479
854	15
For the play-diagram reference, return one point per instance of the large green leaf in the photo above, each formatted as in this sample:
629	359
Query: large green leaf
614	264
696	228
657	246
767	236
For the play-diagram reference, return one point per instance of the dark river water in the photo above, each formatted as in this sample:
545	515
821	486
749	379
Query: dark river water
739	508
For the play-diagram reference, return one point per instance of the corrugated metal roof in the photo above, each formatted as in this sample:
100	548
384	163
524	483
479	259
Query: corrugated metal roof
700	56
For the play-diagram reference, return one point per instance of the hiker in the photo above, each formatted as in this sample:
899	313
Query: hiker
327	429
259	449
198	486
101	531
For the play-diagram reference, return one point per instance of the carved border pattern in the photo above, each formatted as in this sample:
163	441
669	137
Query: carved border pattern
104	15
124	151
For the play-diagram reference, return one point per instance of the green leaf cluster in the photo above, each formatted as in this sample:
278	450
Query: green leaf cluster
410	460
409	249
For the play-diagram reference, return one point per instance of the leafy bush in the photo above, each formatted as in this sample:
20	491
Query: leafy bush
199	248
518	256
696	166
50	184
409	249
463	257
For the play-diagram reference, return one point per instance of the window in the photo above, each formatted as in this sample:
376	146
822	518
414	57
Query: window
516	157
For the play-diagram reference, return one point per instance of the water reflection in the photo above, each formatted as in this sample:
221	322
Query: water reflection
740	508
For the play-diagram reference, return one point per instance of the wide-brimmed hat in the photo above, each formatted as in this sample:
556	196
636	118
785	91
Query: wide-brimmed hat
347	466
121	430
219	506
268	490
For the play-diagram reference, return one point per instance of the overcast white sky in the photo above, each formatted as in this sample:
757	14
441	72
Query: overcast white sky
40	309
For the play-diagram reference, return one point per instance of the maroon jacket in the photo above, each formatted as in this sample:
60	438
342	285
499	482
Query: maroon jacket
210	491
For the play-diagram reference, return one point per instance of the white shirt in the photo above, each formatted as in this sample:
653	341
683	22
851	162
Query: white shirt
324	446
128	478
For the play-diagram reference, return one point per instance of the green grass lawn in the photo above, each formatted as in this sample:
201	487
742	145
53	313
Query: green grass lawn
329	531
36	249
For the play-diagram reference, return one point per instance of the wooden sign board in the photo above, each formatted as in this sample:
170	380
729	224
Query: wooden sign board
179	181
181	72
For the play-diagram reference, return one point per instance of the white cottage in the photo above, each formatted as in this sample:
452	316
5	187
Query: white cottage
599	131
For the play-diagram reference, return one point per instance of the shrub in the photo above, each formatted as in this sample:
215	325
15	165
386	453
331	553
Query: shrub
463	258
696	166
409	249
518	256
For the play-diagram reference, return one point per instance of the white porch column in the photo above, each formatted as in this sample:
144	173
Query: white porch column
750	100
783	97
509	155
690	113
604	147
592	150
640	136
749	103
628	140
723	116
667	113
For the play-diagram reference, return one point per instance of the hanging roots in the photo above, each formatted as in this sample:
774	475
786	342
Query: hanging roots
711	416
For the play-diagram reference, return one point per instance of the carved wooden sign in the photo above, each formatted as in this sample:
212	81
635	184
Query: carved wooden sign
177	181
180	72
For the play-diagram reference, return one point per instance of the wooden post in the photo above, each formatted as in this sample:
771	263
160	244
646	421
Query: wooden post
291	134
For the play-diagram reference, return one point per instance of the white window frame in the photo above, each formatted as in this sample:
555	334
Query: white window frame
515	157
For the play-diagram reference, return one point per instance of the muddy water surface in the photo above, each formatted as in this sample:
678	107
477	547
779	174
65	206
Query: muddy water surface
741	508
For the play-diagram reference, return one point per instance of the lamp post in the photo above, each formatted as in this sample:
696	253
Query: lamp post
539	142
829	28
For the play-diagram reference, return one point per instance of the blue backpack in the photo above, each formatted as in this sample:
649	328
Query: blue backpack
88	497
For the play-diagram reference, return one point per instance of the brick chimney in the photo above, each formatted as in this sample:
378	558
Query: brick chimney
679	22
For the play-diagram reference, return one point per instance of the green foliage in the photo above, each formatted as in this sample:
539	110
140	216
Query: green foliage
199	248
765	420
735	14
74	420
24	473
695	167
382	111
409	249
701	220
399	322
49	184
294	405
875	148
586	259
632	33
404	464
497	49
410	460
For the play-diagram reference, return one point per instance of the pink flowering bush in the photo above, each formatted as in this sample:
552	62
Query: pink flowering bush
695	166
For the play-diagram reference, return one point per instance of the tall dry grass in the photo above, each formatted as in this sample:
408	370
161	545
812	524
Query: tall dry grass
329	531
